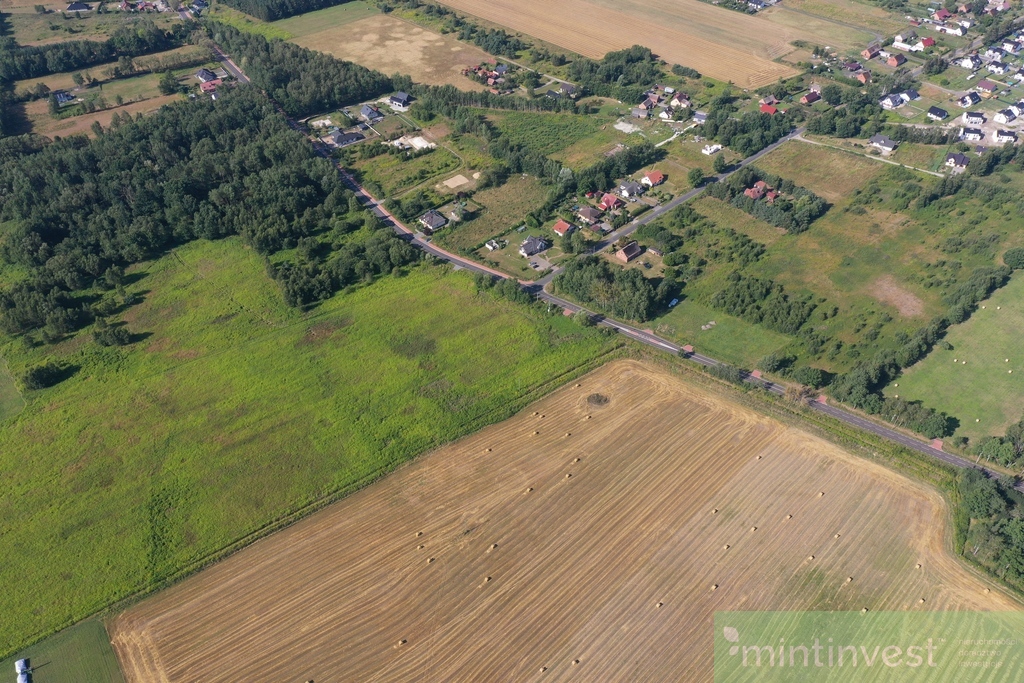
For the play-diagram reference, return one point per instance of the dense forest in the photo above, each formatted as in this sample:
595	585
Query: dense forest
794	210
624	75
272	10
748	134
302	81
134	39
618	291
993	512
82	210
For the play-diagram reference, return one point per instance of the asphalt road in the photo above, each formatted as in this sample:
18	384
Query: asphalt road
642	336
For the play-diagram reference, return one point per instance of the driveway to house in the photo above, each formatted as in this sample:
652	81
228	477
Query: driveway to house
642	336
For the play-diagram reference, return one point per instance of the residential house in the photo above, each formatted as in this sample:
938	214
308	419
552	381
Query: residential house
810	98
711	149
501	69
986	86
653	178
815	87
370	113
852	66
758	190
1005	116
770	100
205	75
649	103
532	246
639	113
680	101
492	245
563	227
891	102
910	95
1004	136
666	114
950	29
78	7
63	97
568	89
995	53
964	24
883	143
969	100
769	109
942	14
973	118
629	252
999	68
864	77
1017	109
210	86
937	114
553	94
1011	46
431	221
973	134
630	188
1019	76
400	100
896	60
342	139
610	202
906	36
700	117
871	51
589	215
958	162
927	42
972	62
756	5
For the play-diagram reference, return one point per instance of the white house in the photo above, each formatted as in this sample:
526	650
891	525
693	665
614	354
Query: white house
1019	76
1005	116
666	114
883	143
994	53
973	134
969	99
1004	136
958	162
711	149
971	62
891	102
973	118
999	68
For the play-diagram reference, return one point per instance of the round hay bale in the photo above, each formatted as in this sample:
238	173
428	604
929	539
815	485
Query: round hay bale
988	590
849	579
535	413
568	475
999	308
810	557
896	384
864	610
402	642
789	516
918	565
659	605
543	669
963	362
535	432
575	662
418	534
487	450
759	457
588	417
542	416
494	546
429	560
577	385
753	528
420	547
486	579
836	536
568	433
715	511
529	488
725	547
820	494
977	419
714	586
1010	372
575	459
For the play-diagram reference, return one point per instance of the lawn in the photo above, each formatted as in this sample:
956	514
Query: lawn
505	208
235	412
11	401
396	174
927	157
740	221
545	133
830	173
983	393
75	655
591	149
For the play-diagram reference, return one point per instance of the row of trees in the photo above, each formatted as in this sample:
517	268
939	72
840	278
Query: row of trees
996	539
621	292
623	75
750	133
272	10
79	209
795	209
136	38
763	302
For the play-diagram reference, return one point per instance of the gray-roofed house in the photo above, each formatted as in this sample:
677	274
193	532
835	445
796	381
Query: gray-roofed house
937	114
342	139
1004	136
568	89
958	162
973	134
700	117
78	7
630	188
975	118
432	220
501	69
883	143
589	214
400	99
532	246
205	76
370	113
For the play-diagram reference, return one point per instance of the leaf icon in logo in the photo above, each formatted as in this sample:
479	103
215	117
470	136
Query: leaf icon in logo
731	634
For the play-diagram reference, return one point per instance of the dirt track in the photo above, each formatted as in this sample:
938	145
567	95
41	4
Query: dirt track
576	565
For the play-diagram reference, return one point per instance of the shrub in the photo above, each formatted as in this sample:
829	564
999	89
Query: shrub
42	376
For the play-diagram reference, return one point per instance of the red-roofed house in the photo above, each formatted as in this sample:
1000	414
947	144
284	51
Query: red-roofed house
810	98
609	202
987	86
896	60
755	192
210	86
942	14
769	109
928	42
864	77
653	178
563	227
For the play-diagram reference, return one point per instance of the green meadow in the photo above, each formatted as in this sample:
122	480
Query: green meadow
233	414
979	388
78	654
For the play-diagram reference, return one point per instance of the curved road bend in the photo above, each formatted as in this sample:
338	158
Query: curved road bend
642	336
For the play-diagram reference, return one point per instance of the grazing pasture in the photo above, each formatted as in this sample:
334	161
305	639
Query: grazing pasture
723	44
391	45
979	388
586	537
233	412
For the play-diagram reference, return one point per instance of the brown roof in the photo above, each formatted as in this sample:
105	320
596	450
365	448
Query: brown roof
629	252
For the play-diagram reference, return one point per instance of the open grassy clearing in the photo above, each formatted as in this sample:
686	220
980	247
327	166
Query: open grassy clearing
545	133
982	392
11	400
141	95
865	15
827	172
731	339
826	31
726	45
325	19
593	148
390	45
243	22
30	28
396	174
927	157
236	411
485	561
506	208
77	654
740	221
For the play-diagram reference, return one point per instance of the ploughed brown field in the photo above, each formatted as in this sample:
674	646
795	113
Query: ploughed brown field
552	538
727	45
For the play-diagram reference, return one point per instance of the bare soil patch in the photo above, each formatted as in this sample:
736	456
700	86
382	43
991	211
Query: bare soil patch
392	45
569	533
887	290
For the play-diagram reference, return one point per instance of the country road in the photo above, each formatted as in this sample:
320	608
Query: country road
376	207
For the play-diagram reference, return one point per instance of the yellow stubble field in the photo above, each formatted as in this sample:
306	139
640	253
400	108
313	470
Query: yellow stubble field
580	539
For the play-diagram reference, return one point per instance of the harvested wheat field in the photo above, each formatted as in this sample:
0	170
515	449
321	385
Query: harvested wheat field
391	45
726	45
590	528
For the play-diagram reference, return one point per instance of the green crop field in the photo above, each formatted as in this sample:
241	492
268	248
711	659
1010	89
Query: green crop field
545	133
982	392
235	411
321	20
78	654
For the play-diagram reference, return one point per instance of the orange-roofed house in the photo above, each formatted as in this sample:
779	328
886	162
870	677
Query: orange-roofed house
563	227
653	178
